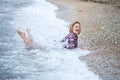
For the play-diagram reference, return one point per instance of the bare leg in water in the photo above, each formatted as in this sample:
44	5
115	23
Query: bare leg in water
27	40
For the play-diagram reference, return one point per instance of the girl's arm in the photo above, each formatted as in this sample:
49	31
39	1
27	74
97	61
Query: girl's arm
65	38
85	48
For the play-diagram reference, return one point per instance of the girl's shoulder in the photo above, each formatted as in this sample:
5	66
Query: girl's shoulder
72	34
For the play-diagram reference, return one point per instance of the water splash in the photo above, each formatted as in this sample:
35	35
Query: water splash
54	63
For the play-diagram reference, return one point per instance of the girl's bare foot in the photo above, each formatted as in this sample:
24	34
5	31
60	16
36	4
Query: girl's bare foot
24	37
20	33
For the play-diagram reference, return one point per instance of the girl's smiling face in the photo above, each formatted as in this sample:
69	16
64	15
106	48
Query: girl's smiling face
76	28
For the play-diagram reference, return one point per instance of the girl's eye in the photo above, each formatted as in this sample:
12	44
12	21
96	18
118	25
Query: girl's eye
77	26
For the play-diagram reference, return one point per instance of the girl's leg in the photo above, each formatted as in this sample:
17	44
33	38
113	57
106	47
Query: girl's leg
29	35
24	37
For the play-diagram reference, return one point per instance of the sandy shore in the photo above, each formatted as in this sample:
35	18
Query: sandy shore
100	22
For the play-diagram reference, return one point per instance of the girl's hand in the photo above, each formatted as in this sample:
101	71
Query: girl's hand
85	48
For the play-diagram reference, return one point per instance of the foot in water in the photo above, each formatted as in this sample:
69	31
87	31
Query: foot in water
20	33
23	36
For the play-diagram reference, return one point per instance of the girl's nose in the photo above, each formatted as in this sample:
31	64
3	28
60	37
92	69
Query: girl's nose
78	27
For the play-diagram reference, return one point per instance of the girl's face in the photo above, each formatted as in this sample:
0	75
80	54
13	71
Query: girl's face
76	29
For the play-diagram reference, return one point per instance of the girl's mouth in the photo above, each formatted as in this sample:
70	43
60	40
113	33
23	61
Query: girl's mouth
77	30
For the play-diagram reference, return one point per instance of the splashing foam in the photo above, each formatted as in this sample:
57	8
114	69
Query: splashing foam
53	64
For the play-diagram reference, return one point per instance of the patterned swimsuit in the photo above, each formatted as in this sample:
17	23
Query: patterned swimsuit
72	40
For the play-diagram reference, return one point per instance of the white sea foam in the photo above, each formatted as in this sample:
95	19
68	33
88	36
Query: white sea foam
56	63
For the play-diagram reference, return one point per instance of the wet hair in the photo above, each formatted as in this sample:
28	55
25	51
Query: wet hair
72	25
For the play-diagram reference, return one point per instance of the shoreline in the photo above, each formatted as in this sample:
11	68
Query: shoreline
63	11
98	20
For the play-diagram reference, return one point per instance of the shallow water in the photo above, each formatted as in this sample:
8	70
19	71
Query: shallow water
52	63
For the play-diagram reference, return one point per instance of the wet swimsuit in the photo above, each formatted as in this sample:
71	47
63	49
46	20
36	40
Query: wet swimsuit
72	40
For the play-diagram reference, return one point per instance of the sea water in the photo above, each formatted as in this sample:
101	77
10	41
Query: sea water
52	63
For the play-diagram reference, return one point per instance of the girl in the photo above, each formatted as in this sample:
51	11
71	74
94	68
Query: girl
72	37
